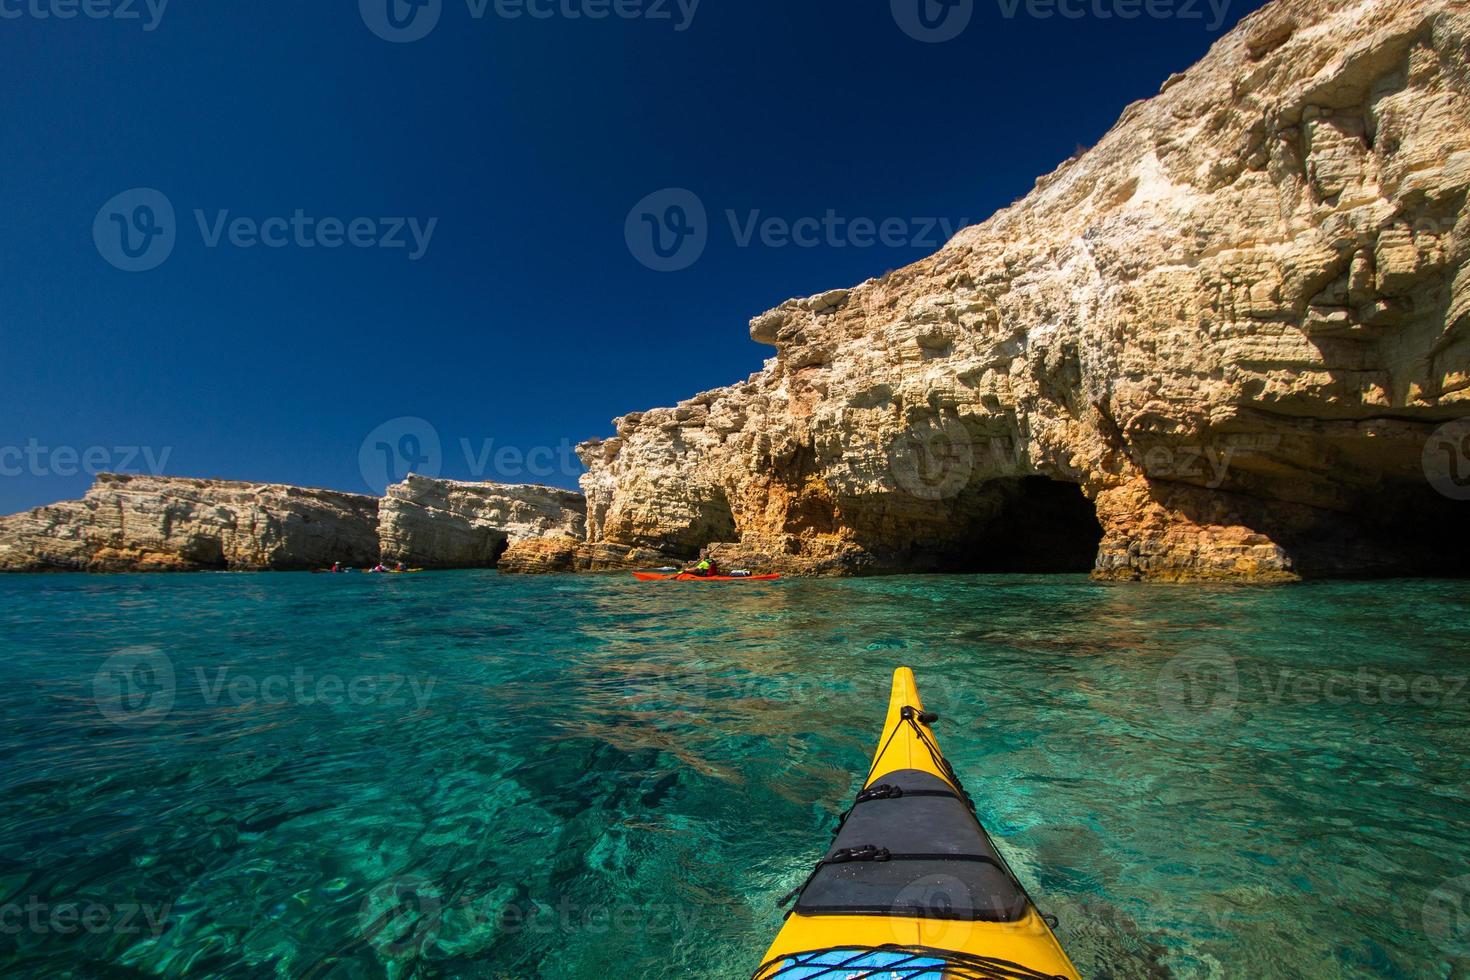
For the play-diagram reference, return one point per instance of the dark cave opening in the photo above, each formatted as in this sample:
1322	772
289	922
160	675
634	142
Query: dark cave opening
1403	530
1043	526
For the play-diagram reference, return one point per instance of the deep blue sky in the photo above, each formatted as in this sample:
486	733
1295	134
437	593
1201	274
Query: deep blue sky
528	320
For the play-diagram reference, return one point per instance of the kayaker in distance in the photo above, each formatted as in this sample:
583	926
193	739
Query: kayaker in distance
706	567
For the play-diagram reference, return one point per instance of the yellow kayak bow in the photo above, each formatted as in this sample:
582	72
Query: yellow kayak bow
912	886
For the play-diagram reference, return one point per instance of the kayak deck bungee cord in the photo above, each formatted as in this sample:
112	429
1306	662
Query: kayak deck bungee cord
912	887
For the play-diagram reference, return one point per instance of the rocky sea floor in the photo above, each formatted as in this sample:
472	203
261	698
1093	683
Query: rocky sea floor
475	775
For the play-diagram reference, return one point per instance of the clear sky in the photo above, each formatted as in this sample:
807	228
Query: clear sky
521	309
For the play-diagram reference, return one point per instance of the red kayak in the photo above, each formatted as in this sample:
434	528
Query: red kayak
686	577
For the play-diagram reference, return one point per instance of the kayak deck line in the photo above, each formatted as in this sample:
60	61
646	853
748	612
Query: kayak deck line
912	886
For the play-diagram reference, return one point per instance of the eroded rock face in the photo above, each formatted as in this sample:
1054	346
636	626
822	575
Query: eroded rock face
535	556
138	523
434	523
1231	327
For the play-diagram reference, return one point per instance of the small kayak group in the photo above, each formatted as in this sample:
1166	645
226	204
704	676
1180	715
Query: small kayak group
379	569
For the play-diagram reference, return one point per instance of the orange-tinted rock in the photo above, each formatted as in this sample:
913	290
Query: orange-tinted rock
1232	326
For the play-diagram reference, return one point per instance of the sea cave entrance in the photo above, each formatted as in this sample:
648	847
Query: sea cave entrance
1402	530
1033	525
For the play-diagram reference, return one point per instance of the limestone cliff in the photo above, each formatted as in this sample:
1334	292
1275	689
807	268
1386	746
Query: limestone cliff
446	524
1213	346
133	523
138	523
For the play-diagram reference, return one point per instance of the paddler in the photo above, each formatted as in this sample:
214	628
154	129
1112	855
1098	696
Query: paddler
706	567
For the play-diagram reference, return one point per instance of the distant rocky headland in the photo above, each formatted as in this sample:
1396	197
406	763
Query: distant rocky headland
148	524
1213	347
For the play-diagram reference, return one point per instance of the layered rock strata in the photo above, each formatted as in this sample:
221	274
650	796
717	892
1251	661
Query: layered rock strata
136	523
1231	332
147	523
446	524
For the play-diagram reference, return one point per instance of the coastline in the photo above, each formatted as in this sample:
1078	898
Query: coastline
1236	351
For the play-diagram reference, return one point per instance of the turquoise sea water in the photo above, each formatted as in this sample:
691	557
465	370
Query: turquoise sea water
471	775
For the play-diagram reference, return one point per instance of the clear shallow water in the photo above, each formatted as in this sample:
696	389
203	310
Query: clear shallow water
470	775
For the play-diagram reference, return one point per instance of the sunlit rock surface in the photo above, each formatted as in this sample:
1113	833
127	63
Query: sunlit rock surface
1227	331
435	523
148	523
